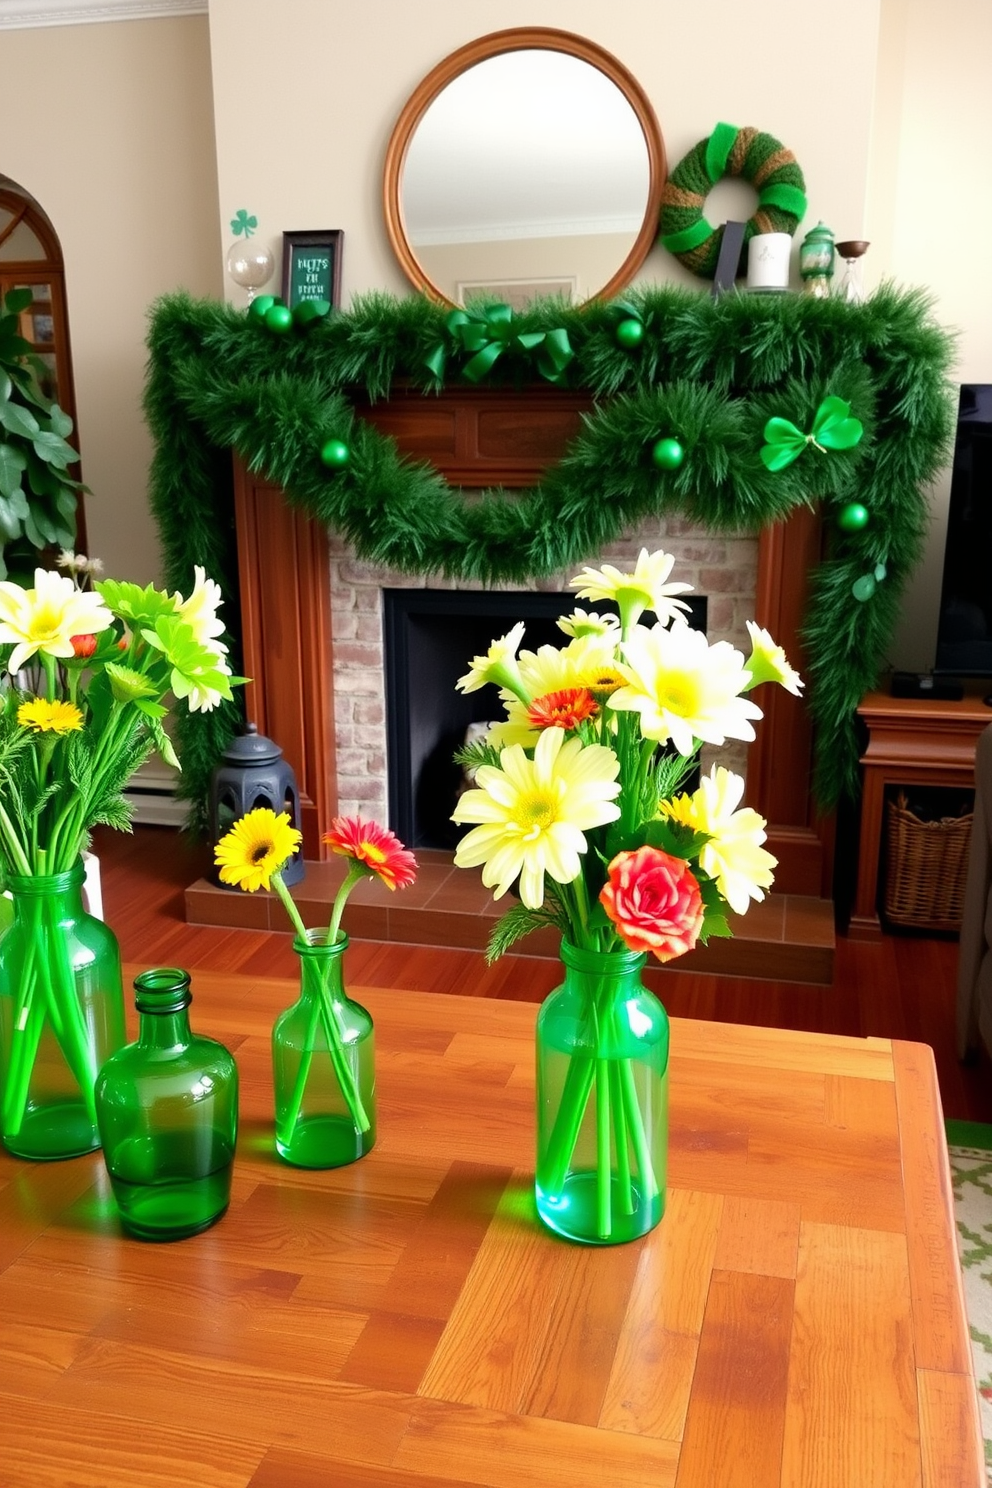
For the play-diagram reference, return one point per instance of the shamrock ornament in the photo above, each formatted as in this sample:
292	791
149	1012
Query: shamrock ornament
833	429
864	587
242	223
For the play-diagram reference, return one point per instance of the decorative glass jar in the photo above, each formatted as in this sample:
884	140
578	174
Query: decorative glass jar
816	261
168	1113
323	1060
602	1100
61	1015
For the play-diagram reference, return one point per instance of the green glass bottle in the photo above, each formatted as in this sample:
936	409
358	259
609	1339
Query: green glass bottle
167	1107
61	1015
323	1062
602	1100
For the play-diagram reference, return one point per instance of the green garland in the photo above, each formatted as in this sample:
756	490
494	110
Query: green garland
711	372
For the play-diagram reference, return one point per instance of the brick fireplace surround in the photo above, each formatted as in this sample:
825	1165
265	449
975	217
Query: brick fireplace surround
318	688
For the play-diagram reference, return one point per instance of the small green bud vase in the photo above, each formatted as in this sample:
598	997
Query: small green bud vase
323	1063
61	1016
168	1113
602	1100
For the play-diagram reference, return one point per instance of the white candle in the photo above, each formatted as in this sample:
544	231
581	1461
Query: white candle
768	261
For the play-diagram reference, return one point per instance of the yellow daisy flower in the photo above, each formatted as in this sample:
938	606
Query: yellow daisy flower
47	617
499	665
200	610
552	669
633	593
45	717
533	813
734	856
684	688
555	669
768	662
588	623
257	844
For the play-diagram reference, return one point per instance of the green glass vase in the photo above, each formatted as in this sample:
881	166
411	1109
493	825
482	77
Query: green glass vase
167	1107
602	1100
323	1063
61	1016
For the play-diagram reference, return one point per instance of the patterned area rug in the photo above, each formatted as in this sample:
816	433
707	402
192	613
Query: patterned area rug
970	1149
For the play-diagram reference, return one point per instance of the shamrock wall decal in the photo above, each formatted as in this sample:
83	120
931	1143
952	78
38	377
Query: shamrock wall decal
242	223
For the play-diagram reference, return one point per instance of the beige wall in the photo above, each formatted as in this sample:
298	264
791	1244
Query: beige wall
306	150
931	216
154	133
110	128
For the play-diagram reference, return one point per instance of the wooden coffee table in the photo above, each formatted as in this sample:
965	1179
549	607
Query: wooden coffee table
797	1317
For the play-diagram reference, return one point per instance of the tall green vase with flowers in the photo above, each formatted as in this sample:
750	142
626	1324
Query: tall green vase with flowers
323	1046
579	799
90	669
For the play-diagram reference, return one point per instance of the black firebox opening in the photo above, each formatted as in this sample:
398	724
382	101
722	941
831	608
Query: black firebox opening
431	636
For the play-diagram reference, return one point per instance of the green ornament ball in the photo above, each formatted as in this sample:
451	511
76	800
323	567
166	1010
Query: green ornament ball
335	454
853	517
308	312
278	318
668	454
259	306
630	333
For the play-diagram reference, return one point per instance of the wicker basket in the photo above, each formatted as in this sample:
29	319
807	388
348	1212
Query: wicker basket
926	863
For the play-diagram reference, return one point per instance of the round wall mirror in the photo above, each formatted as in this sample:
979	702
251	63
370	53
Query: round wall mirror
528	163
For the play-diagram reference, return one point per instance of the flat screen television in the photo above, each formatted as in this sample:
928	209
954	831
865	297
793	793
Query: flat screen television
964	626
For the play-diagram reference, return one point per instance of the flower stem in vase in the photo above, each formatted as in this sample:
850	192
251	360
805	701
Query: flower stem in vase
324	1064
61	1015
604	1139
342	1065
291	1115
600	1162
620	1125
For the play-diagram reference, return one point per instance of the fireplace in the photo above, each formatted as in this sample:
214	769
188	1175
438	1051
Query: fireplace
429	639
312	625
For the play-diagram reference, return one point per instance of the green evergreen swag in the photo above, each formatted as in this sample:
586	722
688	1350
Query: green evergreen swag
708	372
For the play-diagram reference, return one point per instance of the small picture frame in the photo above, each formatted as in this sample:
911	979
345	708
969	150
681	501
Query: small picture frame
311	267
518	293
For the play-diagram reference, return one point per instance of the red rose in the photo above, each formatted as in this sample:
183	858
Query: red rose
653	899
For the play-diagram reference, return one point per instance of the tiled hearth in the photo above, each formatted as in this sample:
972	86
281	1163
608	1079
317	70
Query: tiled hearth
786	938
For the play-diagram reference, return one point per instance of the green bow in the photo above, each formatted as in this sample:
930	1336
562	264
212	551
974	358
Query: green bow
833	429
486	333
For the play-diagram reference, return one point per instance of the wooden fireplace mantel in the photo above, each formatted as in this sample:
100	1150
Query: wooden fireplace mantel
479	437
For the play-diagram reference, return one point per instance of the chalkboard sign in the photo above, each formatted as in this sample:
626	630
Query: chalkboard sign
311	267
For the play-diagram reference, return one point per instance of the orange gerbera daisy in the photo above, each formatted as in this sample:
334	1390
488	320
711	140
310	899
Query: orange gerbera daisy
565	709
375	848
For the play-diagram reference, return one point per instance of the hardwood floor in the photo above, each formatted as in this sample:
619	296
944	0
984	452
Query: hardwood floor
902	987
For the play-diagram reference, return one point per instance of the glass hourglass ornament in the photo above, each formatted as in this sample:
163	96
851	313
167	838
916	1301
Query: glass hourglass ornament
851	288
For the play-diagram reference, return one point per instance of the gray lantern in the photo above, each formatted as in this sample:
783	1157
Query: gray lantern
253	773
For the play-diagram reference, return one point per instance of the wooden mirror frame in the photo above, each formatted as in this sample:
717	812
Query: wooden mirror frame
515	39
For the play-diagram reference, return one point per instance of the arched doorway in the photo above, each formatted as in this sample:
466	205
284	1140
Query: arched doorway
31	259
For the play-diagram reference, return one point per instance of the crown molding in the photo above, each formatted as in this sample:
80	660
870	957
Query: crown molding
17	15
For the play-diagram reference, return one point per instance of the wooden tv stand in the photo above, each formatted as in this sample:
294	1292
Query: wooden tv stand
912	741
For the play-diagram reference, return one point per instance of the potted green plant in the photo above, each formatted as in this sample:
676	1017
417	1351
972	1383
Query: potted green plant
38	496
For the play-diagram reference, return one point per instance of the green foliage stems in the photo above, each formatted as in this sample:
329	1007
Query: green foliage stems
709	371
